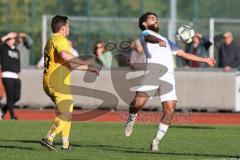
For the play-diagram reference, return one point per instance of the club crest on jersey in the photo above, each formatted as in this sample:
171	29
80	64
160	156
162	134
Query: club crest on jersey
13	54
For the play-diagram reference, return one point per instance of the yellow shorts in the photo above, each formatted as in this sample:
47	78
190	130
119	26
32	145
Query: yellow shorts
63	101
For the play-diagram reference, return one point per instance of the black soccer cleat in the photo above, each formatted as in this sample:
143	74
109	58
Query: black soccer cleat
67	149
49	145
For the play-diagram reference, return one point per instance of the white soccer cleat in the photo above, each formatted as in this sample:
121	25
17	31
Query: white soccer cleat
154	146
130	123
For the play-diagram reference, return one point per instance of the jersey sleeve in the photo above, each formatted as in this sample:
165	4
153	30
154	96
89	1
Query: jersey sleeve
174	48
145	33
61	44
148	32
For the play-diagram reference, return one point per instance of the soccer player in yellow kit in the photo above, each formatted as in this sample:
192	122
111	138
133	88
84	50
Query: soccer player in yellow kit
58	63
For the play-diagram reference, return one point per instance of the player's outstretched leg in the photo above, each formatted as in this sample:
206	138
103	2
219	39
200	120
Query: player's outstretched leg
130	122
138	102
58	125
48	144
168	111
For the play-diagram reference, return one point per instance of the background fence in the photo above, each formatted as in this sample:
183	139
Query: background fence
26	16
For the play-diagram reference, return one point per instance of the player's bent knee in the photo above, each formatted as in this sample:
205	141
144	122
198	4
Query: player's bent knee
142	95
167	118
135	106
170	111
139	103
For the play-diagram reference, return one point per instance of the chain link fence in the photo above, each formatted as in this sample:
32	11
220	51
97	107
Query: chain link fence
26	16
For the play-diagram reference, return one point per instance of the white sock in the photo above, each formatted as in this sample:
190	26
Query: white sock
132	116
161	132
65	142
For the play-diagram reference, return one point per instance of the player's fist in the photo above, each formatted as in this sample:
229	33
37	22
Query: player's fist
210	61
162	43
93	69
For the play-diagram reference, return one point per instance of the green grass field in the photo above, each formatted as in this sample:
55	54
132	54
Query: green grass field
19	140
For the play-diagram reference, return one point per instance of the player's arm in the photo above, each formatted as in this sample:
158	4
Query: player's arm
210	61
153	39
76	63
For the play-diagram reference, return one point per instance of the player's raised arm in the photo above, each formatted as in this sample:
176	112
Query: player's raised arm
210	61
77	63
153	39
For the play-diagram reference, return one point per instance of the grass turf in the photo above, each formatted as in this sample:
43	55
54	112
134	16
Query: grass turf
94	141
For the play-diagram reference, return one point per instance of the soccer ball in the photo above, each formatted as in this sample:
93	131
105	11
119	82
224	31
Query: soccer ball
185	34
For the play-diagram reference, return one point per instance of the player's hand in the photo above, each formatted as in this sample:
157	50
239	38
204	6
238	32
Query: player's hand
57	112
93	69
210	61
162	43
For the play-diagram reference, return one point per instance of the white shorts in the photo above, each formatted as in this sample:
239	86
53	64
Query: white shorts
163	87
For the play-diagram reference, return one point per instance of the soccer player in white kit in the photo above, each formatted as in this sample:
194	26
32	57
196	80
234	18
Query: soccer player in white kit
159	78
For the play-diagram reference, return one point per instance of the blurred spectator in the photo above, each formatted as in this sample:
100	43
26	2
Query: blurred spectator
24	43
229	53
103	56
10	62
198	47
40	63
1	86
138	58
122	53
1	94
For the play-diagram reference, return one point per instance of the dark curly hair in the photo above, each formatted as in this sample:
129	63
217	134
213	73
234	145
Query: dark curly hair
143	18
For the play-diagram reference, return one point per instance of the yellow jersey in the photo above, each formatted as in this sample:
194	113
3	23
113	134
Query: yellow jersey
56	71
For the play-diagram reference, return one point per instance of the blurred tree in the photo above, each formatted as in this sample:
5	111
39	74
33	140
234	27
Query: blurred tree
26	15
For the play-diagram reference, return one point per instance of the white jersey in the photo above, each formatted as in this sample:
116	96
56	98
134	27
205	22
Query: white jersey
157	54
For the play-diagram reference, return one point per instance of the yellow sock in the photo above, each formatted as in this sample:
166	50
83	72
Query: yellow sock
65	134
58	125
